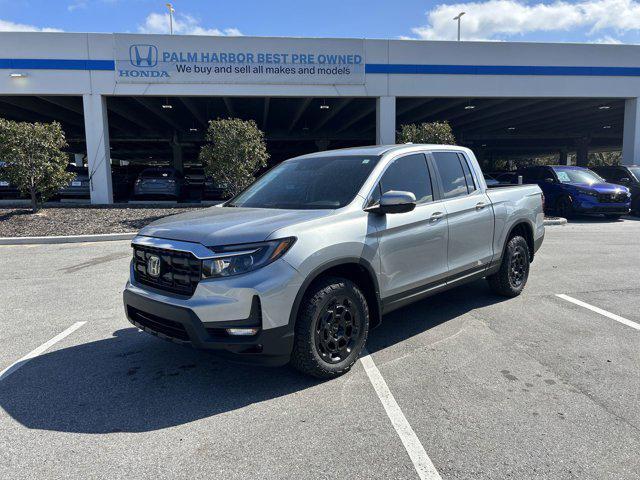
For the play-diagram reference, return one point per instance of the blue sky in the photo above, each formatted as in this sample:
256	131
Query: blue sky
600	21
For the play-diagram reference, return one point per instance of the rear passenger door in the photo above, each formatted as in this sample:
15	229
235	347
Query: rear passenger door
469	214
413	245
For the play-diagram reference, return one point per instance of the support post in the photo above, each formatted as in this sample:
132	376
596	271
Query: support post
582	152
96	126
631	132
564	157
385	120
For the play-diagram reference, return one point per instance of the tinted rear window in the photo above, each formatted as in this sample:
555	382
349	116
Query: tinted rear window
451	174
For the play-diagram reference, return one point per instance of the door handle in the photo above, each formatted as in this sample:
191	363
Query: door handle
437	215
480	205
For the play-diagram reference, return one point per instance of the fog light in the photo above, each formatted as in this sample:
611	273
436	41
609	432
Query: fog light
242	331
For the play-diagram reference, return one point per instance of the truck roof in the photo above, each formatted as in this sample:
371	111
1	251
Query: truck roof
379	149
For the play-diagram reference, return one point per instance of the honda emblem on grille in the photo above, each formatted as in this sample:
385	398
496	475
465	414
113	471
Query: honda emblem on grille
153	266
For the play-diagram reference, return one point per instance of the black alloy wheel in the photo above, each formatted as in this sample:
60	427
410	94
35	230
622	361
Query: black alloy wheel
337	329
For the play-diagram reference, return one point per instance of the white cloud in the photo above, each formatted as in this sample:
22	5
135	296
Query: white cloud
497	19
77	5
608	39
7	26
182	24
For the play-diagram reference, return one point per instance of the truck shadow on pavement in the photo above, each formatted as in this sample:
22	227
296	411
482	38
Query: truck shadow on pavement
133	382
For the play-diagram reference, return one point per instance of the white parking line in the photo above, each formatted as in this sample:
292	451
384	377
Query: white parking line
610	315
421	461
41	349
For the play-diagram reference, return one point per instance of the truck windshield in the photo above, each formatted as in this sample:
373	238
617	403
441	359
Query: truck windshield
571	175
308	183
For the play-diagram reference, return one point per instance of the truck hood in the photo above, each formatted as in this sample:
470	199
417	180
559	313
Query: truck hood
601	187
227	225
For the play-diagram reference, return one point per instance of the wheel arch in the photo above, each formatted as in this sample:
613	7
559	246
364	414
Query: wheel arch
525	230
358	270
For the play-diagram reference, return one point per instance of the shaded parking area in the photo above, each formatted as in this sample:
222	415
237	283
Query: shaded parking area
516	129
531	387
168	131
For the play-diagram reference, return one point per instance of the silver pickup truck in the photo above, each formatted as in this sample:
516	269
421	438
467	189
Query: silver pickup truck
299	266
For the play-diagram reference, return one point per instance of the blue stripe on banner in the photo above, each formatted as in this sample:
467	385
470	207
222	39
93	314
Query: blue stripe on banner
373	68
55	64
500	70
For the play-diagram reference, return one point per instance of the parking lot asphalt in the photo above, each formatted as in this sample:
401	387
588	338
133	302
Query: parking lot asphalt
531	387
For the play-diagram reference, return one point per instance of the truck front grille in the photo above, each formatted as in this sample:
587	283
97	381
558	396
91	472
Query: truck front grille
179	273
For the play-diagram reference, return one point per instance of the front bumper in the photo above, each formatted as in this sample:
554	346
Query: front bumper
76	192
181	325
614	208
160	190
260	299
589	204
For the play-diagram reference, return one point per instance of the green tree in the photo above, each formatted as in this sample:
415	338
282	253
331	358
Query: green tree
235	151
438	133
598	159
33	158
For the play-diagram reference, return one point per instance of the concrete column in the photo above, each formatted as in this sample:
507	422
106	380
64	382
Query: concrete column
631	132
96	127
582	152
564	157
385	120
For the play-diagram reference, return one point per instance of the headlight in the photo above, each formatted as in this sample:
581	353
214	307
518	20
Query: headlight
591	193
237	259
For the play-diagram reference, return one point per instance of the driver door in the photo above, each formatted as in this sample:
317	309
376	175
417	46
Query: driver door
412	245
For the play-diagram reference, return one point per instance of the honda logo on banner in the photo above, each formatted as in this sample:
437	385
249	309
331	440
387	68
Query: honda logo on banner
143	55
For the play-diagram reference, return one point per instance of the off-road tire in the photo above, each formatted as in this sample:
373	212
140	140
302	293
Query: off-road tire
506	281
307	355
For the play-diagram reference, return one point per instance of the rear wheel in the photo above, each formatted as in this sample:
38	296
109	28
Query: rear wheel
510	280
331	328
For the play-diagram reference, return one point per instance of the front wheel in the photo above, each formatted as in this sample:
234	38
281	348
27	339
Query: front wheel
564	207
331	328
510	280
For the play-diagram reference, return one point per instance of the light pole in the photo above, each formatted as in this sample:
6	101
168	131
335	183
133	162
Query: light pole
458	19
171	10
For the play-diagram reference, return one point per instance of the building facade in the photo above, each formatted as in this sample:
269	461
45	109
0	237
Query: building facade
381	80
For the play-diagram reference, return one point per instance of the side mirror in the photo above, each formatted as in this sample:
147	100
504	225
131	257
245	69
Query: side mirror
394	201
549	180
624	180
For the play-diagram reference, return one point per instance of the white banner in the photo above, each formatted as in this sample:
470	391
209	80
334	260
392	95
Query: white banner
200	59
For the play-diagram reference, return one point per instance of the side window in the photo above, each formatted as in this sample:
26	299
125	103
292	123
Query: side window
409	174
451	174
546	173
615	174
471	186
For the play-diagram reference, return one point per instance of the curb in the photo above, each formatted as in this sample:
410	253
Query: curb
555	221
107	237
